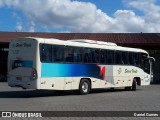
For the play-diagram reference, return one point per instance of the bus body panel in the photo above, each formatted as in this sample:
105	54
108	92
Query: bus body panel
124	75
69	75
114	76
53	83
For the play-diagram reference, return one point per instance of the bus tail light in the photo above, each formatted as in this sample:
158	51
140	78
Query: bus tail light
34	74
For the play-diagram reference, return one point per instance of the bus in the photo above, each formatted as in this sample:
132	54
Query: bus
78	64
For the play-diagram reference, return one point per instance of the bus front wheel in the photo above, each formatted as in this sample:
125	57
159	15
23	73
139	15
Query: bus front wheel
84	87
133	87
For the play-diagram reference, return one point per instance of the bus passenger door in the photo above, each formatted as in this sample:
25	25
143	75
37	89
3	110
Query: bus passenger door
147	71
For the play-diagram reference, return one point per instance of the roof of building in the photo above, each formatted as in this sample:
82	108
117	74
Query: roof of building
125	39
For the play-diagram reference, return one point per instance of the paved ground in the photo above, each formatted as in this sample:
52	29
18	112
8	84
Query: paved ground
144	99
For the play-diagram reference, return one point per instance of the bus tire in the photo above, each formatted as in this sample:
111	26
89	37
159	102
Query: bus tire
134	85
84	87
112	89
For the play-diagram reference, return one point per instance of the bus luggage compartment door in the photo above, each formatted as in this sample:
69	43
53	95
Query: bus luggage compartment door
68	83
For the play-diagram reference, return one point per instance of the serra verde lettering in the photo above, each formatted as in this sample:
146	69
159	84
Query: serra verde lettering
130	71
23	45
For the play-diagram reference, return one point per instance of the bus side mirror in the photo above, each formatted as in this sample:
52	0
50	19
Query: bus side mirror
152	59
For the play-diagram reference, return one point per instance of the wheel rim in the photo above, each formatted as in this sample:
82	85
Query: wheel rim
85	87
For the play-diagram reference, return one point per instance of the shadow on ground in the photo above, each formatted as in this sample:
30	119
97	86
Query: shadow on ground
50	93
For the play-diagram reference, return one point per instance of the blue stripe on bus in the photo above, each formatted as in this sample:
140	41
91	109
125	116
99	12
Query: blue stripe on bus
70	70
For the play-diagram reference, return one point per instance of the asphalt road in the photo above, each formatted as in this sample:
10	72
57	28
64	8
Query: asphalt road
144	99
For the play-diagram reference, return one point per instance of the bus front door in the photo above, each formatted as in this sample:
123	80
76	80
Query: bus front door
147	72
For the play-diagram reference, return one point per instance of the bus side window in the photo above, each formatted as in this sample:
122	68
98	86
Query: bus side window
58	53
136	60
125	58
102	56
68	54
109	57
78	53
95	56
118	57
130	58
87	55
46	53
140	60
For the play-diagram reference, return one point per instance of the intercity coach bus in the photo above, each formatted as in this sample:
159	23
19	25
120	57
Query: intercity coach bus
79	64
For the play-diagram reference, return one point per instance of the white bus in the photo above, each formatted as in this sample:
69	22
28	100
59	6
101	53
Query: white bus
80	64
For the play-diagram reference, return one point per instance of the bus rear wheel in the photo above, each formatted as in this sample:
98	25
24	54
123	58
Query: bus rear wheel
84	87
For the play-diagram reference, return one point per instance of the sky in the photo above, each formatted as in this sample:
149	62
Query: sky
80	16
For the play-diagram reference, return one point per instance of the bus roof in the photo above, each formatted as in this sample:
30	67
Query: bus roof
85	43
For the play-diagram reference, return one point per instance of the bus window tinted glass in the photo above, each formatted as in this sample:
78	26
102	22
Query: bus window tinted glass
46	53
87	55
58	53
78	54
143	61
102	56
95	55
130	58
147	66
124	57
69	54
118	57
109	57
91	55
136	59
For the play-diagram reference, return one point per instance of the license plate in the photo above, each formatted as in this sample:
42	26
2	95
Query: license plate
18	78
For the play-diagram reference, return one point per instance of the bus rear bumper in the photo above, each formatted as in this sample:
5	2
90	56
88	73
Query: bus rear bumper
25	84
